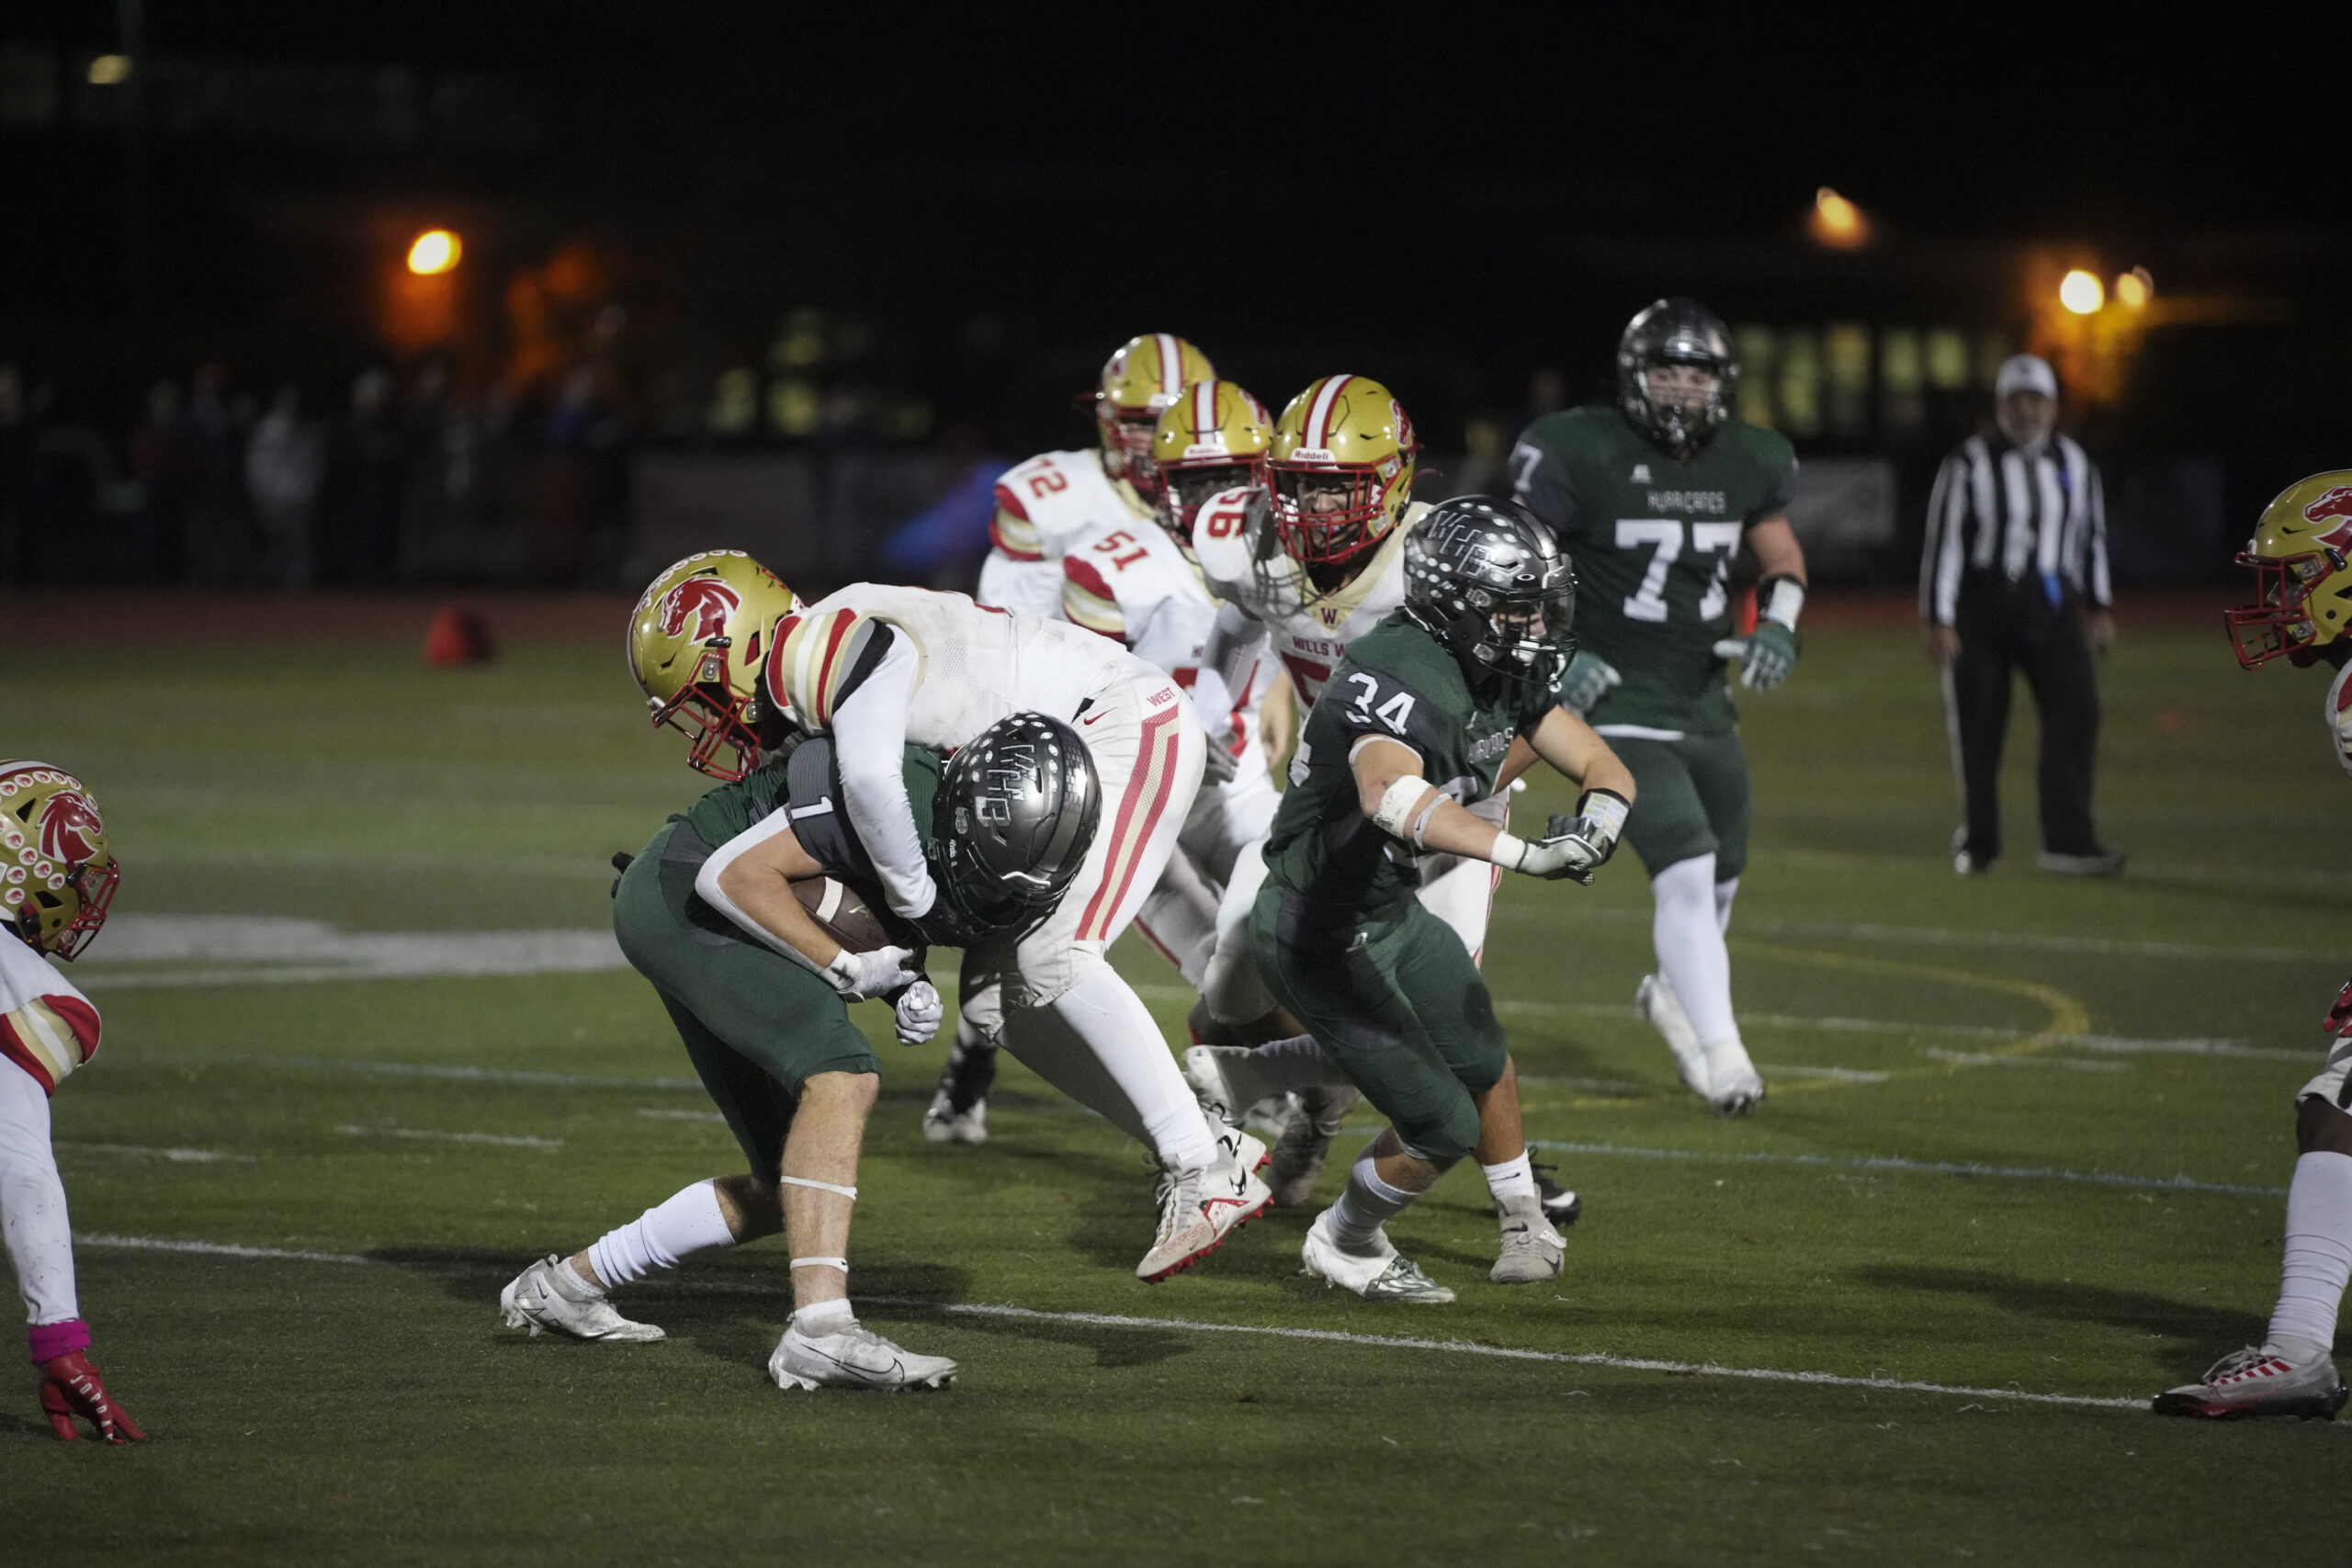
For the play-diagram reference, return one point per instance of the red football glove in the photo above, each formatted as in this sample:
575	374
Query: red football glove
70	1386
2339	1017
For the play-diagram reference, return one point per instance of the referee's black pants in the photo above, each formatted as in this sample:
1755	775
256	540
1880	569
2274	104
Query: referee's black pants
2005	626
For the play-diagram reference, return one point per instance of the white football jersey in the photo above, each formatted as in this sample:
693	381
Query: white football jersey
1136	582
46	1026
1309	630
2339	716
1041	506
977	665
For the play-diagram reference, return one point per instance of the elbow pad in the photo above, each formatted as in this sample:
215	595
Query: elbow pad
1393	816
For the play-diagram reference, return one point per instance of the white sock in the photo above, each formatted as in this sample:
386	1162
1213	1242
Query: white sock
679	1225
1724	893
1365	1204
1512	1178
1121	1067
2318	1261
1295	1063
821	1318
32	1200
1691	952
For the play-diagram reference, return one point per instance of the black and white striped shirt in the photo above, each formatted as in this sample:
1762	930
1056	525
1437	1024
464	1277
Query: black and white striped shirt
2037	516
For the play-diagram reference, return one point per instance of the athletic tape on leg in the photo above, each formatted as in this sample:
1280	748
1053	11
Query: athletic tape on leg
848	1193
839	1263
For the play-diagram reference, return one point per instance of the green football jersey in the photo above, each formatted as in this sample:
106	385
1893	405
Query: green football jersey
1652	540
1398	685
804	781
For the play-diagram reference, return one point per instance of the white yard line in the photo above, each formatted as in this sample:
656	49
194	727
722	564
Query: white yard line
1924	1166
1266	1331
140	1151
503	1140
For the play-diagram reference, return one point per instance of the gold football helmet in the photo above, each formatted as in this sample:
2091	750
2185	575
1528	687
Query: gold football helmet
1342	469
694	645
1212	438
57	876
2302	556
1143	378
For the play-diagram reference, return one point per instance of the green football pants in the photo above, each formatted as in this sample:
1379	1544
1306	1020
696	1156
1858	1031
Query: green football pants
1396	1003
756	1024
1691	798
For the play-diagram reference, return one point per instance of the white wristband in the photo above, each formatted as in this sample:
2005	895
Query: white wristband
843	972
1786	603
1508	851
1393	816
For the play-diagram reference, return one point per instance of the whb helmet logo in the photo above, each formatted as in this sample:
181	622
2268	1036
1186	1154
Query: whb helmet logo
707	600
69	828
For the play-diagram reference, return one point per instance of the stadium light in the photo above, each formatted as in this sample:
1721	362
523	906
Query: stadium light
434	251
2134	288
110	71
1837	222
2081	292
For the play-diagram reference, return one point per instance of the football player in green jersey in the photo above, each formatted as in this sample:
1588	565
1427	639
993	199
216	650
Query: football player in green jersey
1653	499
1440	705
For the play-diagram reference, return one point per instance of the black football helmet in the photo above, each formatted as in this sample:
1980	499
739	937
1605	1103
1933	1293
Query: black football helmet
1486	578
1016	814
1677	332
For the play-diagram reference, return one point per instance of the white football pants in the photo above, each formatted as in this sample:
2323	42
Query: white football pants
1691	912
32	1201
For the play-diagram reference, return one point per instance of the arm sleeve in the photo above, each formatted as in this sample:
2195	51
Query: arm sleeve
1542	484
1011	531
1087	600
2102	589
869	731
1940	557
1234	650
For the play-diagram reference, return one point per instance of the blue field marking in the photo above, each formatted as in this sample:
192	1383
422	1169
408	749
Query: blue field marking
1925	1167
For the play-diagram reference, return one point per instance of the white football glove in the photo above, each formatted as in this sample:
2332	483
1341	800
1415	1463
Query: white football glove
1587	681
918	1011
1573	847
859	975
1219	765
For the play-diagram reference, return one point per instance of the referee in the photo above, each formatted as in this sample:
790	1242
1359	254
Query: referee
2015	577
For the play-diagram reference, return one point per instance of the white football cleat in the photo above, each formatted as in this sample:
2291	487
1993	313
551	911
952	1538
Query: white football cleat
1198	1209
549	1295
855	1357
1656	1000
2253	1382
1377	1273
1306	1142
1734	1086
943	1123
1532	1250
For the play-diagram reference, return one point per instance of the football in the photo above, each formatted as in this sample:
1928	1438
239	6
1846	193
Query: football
837	907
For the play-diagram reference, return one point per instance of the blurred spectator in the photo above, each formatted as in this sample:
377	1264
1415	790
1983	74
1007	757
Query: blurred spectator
18	458
582	518
364	487
220	545
284	467
160	461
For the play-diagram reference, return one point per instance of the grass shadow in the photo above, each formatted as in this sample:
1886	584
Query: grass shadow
1113	1345
2206	1328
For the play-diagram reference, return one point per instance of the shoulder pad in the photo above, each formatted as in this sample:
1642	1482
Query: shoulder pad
817	660
1226	531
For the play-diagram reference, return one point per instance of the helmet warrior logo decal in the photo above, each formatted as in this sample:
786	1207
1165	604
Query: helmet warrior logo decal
705	599
69	828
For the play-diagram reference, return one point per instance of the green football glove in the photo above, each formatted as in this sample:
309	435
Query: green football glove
1765	655
1587	680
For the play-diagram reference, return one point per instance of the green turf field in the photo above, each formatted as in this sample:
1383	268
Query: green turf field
425	1137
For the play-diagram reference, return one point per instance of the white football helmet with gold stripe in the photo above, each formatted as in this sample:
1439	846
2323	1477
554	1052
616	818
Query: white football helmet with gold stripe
1139	383
57	875
695	640
1212	439
1342	469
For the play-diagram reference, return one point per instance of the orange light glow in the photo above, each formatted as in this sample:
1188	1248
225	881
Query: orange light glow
434	251
1837	222
2082	292
2134	288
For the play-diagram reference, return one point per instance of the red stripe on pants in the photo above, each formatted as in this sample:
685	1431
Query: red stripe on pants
1153	755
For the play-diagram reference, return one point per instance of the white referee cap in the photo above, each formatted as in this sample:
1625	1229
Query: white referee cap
2025	373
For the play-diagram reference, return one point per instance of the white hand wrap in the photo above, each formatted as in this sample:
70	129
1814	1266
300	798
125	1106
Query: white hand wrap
1783	602
1508	851
1395	815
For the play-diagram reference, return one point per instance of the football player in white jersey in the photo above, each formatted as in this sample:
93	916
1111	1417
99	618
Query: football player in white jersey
1306	564
1142	587
56	879
1046	501
879	668
2303	590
